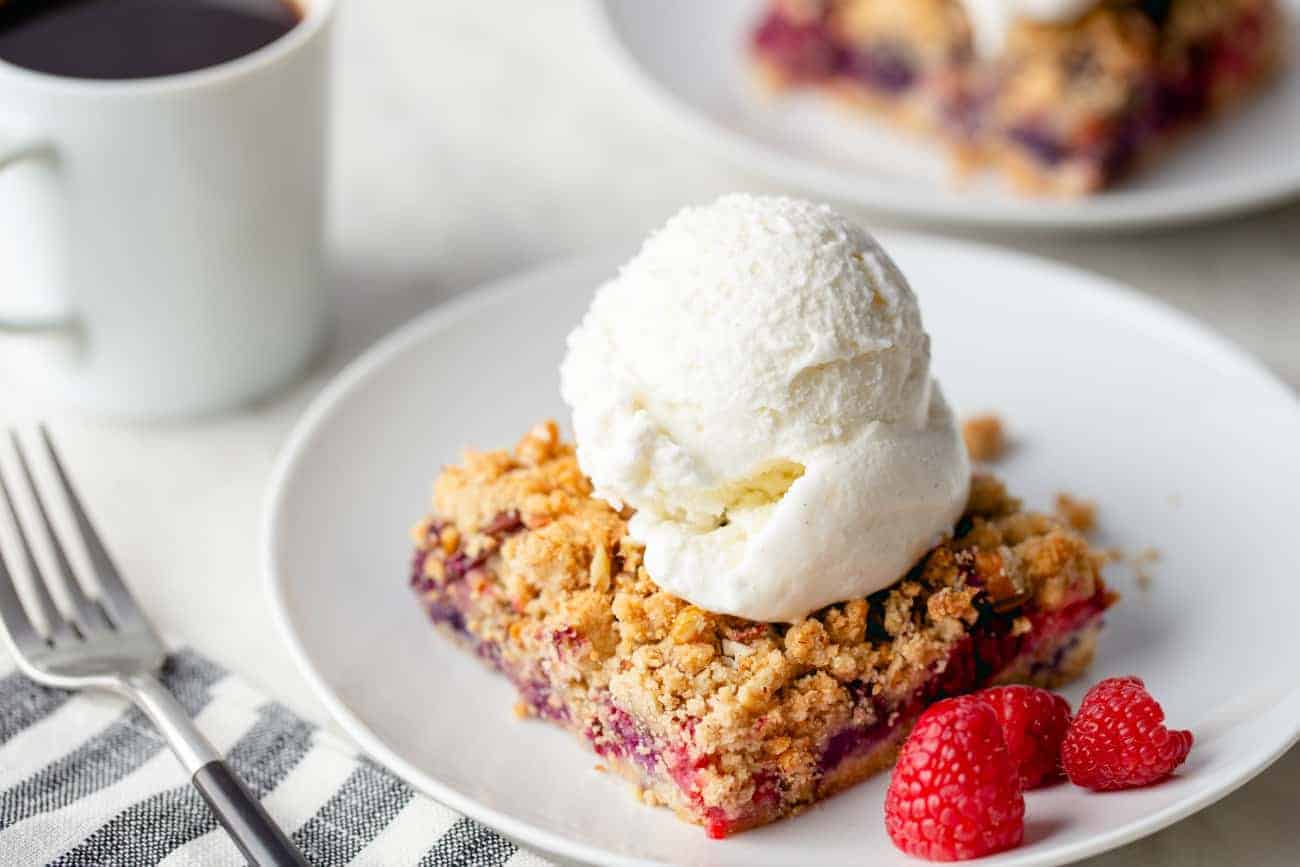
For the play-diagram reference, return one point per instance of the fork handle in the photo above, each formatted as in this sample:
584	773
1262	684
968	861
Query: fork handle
252	829
244	818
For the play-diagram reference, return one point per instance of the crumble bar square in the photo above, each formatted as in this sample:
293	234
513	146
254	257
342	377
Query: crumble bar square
734	723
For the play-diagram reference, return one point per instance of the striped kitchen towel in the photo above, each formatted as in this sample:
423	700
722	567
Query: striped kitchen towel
85	781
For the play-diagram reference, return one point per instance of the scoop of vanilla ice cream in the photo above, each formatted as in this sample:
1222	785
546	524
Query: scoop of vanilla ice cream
755	384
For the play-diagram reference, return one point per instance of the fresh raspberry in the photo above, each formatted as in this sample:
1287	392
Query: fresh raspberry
1118	739
955	793
1034	722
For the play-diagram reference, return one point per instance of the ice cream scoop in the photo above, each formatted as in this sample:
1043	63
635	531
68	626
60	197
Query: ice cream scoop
755	383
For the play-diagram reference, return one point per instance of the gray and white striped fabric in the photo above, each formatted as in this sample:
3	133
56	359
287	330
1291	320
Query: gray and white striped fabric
86	781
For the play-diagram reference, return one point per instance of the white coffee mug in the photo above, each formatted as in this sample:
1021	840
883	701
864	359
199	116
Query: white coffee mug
161	238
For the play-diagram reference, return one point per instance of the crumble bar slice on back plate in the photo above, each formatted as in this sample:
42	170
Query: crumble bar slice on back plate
1062	109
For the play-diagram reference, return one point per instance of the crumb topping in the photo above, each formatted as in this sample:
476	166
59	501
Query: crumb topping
1079	514
985	439
1139	561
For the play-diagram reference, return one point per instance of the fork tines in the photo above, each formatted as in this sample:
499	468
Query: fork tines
86	615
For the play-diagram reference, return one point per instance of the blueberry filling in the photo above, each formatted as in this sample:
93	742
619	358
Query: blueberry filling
1044	147
884	67
448	613
1156	10
807	50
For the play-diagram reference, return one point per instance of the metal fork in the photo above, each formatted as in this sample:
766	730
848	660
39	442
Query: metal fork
107	645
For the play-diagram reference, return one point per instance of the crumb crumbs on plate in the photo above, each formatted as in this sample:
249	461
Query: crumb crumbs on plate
984	436
1142	563
1079	514
647	797
1139	562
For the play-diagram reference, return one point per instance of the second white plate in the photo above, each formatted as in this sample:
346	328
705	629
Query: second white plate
690	56
1187	445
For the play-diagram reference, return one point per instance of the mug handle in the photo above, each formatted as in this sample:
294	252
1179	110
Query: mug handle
13	150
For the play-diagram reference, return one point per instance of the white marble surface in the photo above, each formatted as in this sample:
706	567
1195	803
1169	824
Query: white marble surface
471	143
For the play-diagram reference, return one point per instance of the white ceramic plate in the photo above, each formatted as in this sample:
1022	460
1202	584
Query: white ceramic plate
690	57
1189	447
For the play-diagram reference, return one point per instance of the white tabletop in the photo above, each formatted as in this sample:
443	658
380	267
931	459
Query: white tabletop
471	143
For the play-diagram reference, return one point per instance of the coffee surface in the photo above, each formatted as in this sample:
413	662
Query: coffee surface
117	39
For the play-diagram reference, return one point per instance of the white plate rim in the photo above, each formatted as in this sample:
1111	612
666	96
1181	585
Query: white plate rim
1096	215
373	360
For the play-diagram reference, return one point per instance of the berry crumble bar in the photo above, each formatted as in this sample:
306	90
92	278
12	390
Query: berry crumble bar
1060	108
734	723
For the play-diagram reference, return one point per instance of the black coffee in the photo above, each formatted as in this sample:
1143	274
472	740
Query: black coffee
137	38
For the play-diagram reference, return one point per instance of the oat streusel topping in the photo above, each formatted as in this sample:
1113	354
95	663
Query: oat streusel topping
1079	514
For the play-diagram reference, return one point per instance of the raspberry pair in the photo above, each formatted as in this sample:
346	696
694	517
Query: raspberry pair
956	792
